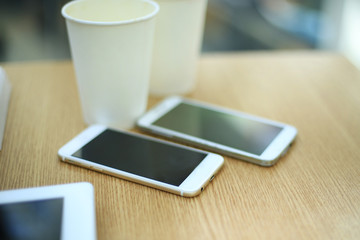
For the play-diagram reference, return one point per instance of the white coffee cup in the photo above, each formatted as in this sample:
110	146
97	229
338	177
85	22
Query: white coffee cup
178	36
111	45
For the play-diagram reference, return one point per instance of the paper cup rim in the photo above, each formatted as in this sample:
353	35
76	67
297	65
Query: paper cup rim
89	22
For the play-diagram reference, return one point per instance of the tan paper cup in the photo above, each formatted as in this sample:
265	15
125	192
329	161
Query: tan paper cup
111	45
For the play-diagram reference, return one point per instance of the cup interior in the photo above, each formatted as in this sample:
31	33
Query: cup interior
109	12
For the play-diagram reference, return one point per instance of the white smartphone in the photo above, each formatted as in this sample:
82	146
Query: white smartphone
153	162
240	135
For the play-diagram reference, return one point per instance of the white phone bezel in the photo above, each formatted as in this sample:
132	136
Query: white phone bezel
191	186
268	158
79	217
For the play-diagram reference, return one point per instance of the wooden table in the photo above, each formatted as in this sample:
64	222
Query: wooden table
311	193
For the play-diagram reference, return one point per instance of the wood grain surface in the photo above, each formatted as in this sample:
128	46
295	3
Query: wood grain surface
311	193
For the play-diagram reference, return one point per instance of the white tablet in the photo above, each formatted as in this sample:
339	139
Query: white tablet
52	212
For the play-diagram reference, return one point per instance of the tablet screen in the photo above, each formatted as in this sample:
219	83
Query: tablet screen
40	219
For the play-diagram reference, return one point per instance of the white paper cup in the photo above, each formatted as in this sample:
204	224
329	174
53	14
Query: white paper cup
178	36
111	45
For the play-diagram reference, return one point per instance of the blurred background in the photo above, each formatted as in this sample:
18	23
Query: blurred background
35	30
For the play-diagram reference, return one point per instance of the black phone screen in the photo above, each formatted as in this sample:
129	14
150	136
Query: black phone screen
223	128
143	157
